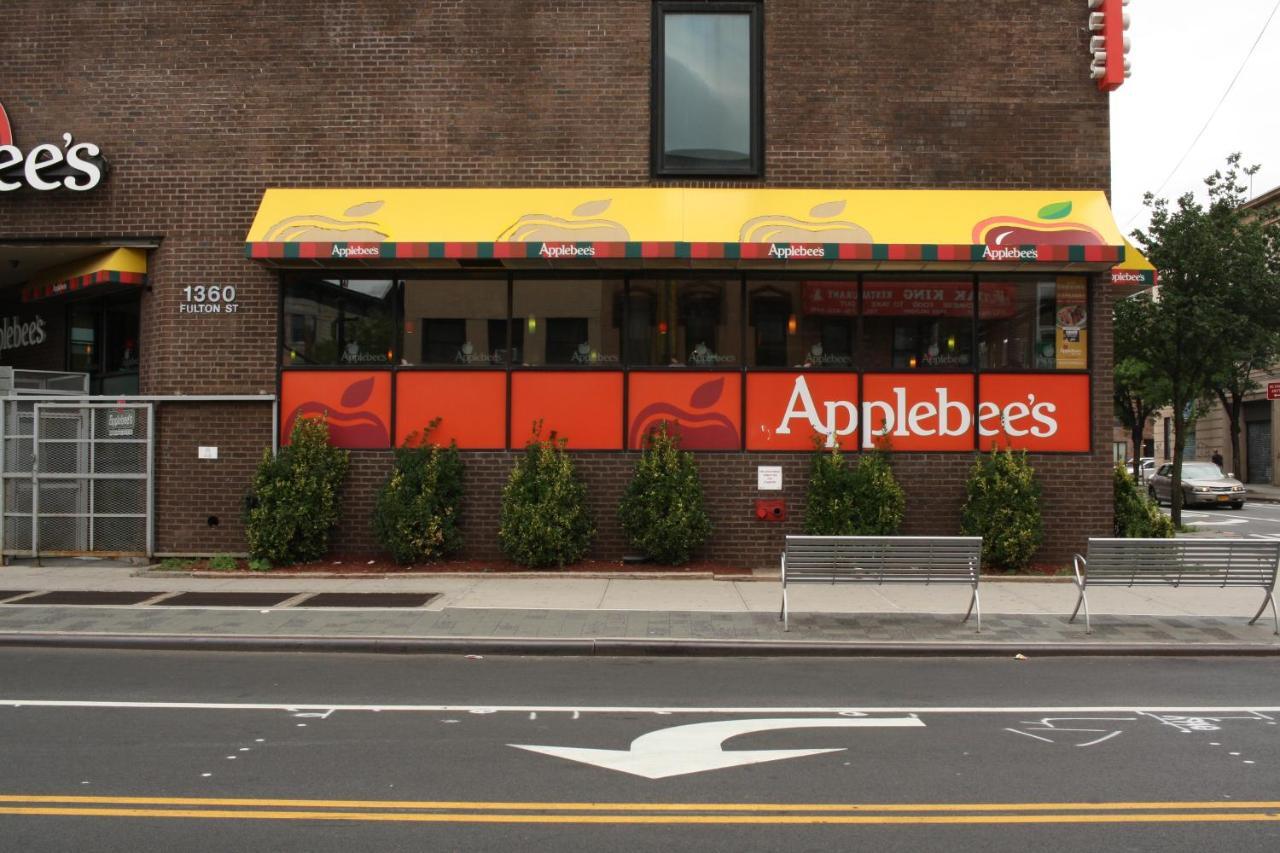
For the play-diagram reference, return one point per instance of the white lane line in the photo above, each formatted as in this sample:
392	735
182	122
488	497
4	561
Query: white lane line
634	709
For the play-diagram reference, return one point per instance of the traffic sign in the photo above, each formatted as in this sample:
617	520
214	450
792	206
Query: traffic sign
1273	390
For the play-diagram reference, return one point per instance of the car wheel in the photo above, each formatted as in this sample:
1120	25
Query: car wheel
1151	493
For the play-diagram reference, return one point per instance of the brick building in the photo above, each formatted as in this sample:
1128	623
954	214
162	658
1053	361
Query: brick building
593	213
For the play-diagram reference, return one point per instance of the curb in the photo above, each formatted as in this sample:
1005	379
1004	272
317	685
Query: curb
622	647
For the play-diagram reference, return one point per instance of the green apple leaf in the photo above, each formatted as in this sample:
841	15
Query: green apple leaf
1057	210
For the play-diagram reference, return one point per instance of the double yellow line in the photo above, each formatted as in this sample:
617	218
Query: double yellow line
413	811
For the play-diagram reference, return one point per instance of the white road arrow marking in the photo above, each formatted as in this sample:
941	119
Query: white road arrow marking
697	747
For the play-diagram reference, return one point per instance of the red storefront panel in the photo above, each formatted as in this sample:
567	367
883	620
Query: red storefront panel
1034	411
357	404
472	407
705	409
786	410
918	412
584	407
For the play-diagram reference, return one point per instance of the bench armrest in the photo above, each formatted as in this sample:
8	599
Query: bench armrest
1077	561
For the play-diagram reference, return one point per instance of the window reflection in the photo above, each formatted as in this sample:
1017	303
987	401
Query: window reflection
1039	324
923	324
684	323
573	323
339	321
456	323
802	323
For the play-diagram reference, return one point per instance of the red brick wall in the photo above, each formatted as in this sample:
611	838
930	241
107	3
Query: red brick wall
199	107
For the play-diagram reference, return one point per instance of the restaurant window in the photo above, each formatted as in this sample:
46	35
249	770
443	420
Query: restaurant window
802	324
568	323
691	324
707	89
102	341
332	321
917	324
456	323
1032	323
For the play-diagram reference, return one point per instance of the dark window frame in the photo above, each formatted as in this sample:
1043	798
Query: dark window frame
657	118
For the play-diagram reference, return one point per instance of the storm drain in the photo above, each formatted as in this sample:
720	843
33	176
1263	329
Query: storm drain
227	599
75	596
368	599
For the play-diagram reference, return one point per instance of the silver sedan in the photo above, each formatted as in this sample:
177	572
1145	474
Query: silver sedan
1202	483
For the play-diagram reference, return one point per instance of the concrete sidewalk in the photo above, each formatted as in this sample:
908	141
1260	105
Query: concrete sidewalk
634	615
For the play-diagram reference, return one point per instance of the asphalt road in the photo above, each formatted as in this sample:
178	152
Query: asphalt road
1255	520
178	751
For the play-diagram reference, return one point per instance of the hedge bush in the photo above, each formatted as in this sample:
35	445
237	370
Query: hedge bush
294	500
662	513
545	520
1137	516
1003	507
420	507
863	500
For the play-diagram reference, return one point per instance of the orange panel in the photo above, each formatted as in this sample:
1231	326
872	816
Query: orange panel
584	407
921	411
704	409
1035	411
786	410
356	402
472	407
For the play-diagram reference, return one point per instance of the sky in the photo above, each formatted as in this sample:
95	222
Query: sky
1183	54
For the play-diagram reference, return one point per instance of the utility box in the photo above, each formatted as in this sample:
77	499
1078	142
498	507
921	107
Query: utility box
771	510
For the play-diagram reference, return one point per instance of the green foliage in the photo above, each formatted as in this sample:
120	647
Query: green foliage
1215	318
662	513
419	508
176	564
864	500
294	501
223	563
259	565
1137	516
1003	507
545	521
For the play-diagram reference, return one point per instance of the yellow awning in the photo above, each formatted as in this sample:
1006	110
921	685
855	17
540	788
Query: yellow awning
1135	270
612	226
117	266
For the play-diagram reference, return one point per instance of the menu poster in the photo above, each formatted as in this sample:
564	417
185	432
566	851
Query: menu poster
1072	323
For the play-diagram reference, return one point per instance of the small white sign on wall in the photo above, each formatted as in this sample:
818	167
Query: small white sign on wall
769	478
208	453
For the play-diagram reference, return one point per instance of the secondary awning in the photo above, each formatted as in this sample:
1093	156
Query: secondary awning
1134	271
659	226
117	266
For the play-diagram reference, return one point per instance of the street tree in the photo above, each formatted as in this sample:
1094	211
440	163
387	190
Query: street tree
1140	389
1199	250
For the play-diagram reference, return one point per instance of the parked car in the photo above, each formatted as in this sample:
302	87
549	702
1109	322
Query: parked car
1146	465
1202	483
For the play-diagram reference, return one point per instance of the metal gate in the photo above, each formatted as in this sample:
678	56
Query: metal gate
1258	450
77	478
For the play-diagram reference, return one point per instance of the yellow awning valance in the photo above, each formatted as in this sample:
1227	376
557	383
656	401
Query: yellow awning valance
1135	270
117	266
608	226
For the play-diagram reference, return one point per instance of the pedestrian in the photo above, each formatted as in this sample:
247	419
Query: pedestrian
1217	459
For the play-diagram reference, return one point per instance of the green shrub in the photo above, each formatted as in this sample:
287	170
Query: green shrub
1137	516
662	513
864	500
544	521
259	565
223	563
294	501
1003	507
176	564
420	506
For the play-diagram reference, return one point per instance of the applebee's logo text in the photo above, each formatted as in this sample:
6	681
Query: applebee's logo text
786	253
552	251
939	416
354	252
1009	253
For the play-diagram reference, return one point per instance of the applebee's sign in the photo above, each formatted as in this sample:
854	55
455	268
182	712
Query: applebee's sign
48	166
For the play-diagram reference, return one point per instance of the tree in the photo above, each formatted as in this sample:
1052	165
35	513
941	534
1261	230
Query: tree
1201	251
1140	389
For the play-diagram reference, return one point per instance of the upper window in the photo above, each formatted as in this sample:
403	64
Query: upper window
707	89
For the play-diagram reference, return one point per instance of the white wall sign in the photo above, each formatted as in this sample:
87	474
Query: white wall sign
74	166
769	478
208	452
208	299
121	423
16	334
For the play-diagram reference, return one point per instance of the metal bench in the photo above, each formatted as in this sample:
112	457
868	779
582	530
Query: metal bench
1178	562
881	560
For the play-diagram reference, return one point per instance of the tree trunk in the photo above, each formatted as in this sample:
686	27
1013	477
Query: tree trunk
1233	406
1139	427
1175	475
